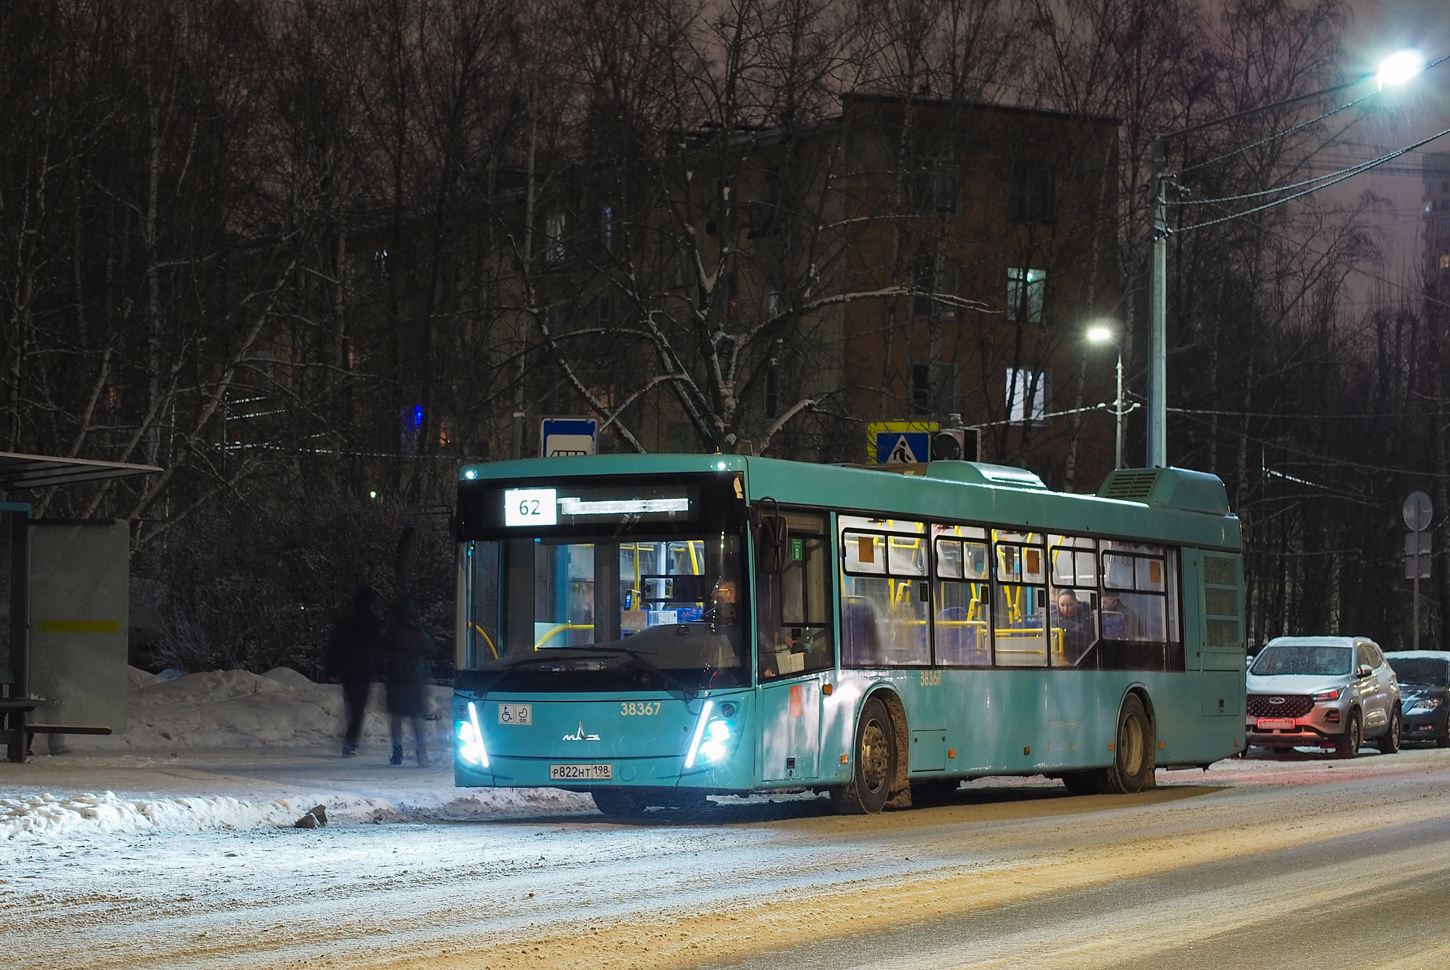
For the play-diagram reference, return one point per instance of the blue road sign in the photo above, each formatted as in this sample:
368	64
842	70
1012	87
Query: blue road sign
902	447
567	436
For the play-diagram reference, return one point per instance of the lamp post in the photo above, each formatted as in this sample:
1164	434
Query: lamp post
1394	70
1100	333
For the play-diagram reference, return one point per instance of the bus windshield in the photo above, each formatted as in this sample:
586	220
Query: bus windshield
589	612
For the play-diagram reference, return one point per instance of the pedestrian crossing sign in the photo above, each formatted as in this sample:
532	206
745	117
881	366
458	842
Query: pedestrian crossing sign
899	442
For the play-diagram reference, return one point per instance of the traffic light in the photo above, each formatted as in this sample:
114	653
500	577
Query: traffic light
956	444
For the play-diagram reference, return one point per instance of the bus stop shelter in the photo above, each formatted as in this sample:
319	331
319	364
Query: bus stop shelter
64	606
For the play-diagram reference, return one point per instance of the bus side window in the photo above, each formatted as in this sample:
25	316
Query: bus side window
793	618
1021	635
963	618
885	592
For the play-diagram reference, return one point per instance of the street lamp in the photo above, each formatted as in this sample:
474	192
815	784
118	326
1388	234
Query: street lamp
1393	70
1400	67
1100	333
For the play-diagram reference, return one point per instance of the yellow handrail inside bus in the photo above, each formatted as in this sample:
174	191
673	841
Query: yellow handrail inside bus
1014	604
562	626
1028	633
491	647
977	607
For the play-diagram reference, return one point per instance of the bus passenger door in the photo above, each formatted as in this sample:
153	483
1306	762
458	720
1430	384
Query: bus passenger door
1221	650
791	735
794	641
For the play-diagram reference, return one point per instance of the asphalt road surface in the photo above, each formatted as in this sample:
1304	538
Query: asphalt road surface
1257	863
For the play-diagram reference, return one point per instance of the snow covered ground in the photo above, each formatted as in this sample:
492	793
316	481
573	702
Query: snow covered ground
235	750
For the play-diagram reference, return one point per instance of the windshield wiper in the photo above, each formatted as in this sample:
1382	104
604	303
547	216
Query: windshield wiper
669	678
513	665
635	655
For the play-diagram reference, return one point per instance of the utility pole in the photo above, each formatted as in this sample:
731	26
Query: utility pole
1157	317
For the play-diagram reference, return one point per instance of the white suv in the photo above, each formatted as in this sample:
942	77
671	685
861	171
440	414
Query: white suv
1323	692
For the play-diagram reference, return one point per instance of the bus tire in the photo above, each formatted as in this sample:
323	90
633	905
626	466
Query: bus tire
874	766
617	804
1133	751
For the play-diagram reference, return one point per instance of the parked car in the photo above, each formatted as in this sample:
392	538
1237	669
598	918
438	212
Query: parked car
1323	692
1424	676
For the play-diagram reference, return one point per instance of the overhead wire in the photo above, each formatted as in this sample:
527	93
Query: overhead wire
1298	189
1347	173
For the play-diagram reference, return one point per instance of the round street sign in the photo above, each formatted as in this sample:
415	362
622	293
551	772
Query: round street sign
1417	511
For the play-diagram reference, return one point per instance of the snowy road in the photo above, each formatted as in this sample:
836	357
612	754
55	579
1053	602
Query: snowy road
1257	863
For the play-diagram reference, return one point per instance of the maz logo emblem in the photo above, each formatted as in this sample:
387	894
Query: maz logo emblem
579	735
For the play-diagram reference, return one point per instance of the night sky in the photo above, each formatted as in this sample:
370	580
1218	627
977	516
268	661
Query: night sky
1408	115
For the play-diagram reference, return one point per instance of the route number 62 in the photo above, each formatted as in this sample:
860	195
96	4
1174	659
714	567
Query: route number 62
530	507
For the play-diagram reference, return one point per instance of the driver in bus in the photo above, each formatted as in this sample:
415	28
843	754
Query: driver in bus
722	605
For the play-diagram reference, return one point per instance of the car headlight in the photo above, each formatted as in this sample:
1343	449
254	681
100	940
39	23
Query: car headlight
1327	695
470	739
1423	705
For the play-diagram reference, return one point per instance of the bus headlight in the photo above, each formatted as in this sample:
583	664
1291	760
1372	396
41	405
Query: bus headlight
715	747
712	740
470	739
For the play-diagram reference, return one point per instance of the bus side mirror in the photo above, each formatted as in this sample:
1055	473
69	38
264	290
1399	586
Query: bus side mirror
773	537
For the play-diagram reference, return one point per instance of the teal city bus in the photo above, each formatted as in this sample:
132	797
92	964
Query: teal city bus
654	629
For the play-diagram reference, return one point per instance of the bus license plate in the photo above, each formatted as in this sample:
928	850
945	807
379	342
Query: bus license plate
581	772
1276	723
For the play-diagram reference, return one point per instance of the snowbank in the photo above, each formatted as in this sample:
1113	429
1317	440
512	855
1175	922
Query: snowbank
48	817
233	708
223	716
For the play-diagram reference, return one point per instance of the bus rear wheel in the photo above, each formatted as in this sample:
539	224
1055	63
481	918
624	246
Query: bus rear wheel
1133	751
875	764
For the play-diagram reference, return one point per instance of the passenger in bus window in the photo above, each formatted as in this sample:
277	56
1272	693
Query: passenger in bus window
1075	621
1120	621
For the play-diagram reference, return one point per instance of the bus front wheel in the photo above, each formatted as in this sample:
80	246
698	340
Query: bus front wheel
875	763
